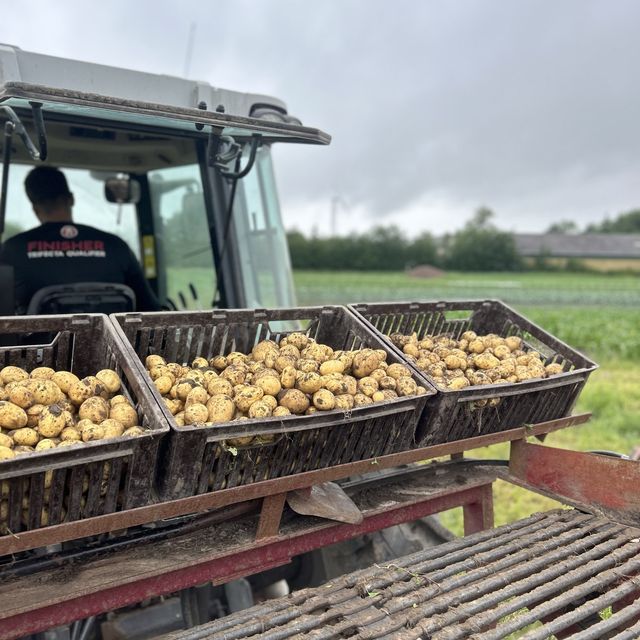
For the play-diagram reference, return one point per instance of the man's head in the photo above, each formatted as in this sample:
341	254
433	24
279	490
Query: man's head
48	191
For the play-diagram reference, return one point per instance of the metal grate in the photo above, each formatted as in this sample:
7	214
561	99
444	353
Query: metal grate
564	568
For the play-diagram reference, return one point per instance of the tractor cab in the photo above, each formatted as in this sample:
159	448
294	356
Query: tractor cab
180	170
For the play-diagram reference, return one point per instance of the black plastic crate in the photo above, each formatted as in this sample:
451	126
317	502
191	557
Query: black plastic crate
456	415
61	485
197	460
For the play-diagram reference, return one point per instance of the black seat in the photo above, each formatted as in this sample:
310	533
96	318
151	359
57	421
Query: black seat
83	297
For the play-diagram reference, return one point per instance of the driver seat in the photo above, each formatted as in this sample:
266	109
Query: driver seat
82	297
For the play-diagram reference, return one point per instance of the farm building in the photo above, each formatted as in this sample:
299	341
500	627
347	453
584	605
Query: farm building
599	251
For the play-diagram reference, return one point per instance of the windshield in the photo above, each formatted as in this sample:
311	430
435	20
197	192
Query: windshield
263	251
90	208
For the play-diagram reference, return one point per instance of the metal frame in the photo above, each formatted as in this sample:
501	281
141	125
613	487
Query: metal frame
215	500
100	584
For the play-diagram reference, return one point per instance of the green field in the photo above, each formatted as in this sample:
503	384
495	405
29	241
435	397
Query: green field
597	314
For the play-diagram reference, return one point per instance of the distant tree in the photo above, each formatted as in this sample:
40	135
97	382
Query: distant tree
480	246
422	250
564	226
628	222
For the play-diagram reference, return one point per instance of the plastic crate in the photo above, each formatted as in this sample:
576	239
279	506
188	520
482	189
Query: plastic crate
61	485
456	415
197	460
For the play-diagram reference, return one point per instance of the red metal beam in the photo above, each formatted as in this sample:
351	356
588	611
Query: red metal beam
15	543
237	563
596	481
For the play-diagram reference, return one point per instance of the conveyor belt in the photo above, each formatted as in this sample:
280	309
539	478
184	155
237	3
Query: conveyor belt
564	567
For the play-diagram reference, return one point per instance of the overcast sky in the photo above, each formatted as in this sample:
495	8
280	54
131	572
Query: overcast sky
435	107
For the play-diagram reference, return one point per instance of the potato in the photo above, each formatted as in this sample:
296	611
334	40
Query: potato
112	428
365	362
297	339
90	433
270	384
45	373
125	414
22	396
246	396
220	386
12	374
197	395
52	421
110	380
378	374
457	384
294	400
513	342
405	387
324	400
200	363
153	361
73	433
173	404
281	412
178	418
95	409
83	390
345	402
332	366
6	453
318	352
25	436
6	441
360	400
270	401
263	349
133	431
196	414
398	371
45	444
309	382
486	361
220	408
260	409
12	416
288	377
554	369
367	385
45	392
163	384
118	400
335	383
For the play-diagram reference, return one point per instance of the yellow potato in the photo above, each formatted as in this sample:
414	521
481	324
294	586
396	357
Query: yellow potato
12	374
64	380
72	433
307	365
45	391
246	396
345	402
294	400
263	349
12	416
513	342
309	382
235	374
45	444
367	385
125	414
25	436
365	362
153	361
6	453
298	340
95	409
22	396
398	371
360	400
174	405
118	400
6	441
90	433
221	408
52	421
197	395
288	378
219	362
554	369
220	386
281	412
133	431
84	389
112	428
270	384
260	409
200	363
324	400
45	373
163	384
196	414
290	351
110	380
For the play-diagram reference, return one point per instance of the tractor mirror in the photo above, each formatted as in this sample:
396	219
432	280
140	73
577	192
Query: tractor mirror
122	190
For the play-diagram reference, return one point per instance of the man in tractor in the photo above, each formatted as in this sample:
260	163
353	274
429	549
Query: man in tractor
60	252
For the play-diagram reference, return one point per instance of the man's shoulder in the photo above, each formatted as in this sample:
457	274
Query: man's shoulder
86	230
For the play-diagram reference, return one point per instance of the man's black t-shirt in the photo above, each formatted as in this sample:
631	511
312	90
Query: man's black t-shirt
64	253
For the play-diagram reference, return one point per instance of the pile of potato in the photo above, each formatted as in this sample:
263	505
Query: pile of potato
48	409
474	360
298	376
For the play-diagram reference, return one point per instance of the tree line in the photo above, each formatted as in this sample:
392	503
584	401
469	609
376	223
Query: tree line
479	246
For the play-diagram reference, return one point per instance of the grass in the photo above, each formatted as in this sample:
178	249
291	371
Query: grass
596	314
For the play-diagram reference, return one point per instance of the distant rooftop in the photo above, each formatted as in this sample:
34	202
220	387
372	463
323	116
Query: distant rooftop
584	245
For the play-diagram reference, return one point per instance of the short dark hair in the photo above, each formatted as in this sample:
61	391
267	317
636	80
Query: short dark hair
45	185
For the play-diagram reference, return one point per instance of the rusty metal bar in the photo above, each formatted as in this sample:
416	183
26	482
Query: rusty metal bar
133	517
479	516
270	516
570	475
